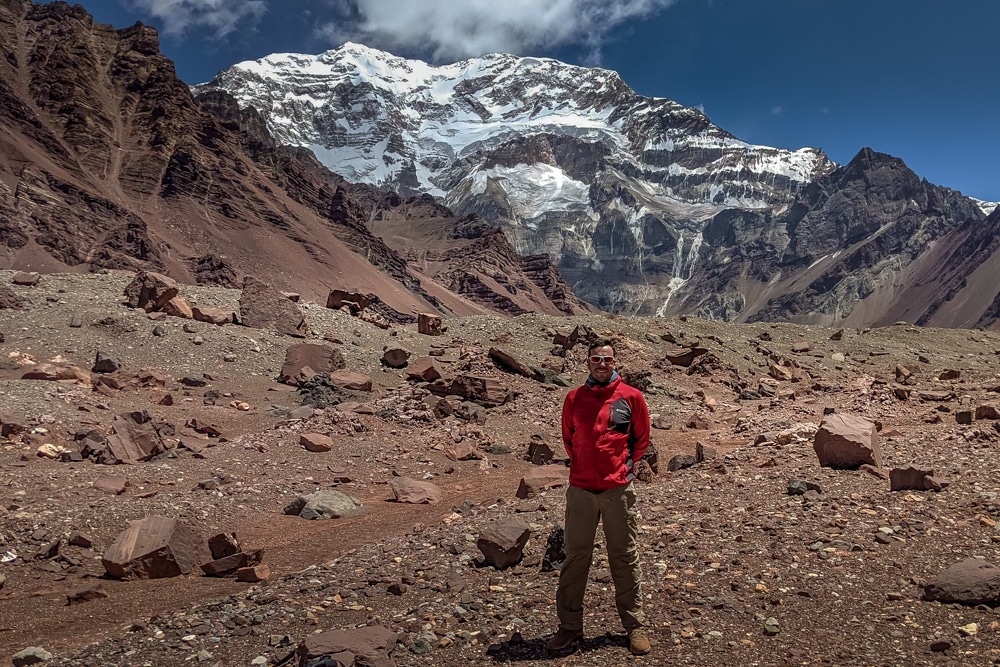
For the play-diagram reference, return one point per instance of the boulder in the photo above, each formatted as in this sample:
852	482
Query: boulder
26	278
33	655
253	574
509	362
988	411
502	544
415	492
319	358
355	301
133	438
542	479
113	484
684	357
264	307
847	442
86	593
680	462
486	391
424	369
325	504
395	356
913	478
65	373
154	548
216	316
178	307
227	565
150	291
429	325
316	442
9	300
223	544
105	363
351	380
370	646
971	582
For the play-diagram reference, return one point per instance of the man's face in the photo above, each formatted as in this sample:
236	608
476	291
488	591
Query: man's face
602	369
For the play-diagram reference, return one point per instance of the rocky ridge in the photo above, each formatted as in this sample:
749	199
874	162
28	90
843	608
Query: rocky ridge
644	205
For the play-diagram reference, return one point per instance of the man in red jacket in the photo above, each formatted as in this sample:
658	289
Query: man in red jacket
605	426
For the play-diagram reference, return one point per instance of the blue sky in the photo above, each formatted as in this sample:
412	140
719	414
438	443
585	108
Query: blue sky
919	79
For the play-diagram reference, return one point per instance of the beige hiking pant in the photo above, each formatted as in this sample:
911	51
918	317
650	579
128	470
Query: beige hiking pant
616	510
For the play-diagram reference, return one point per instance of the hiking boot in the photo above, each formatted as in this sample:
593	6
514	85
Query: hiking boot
563	638
638	642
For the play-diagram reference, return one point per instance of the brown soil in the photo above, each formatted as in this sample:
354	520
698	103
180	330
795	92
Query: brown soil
724	547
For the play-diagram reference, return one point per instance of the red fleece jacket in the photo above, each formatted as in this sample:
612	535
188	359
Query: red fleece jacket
605	429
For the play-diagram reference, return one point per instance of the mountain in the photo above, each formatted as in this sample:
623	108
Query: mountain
645	205
108	161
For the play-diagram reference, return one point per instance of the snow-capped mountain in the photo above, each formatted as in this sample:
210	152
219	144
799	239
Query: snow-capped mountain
635	198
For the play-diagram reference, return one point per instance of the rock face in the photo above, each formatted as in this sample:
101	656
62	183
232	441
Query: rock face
154	548
657	210
847	442
972	581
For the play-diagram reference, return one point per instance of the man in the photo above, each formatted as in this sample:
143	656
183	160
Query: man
605	426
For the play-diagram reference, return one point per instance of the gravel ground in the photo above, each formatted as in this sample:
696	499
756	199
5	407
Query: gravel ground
737	571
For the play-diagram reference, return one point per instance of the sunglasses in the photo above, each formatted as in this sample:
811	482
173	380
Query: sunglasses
596	359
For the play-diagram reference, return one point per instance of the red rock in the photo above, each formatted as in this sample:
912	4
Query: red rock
351	380
161	397
684	357
223	544
913	478
58	373
150	291
92	591
319	358
233	563
987	411
154	548
502	544
316	442
178	307
509	362
133	438
215	316
370	645
264	307
424	369
408	490
357	301
970	582
395	356
113	484
542	479
847	442
9	299
253	574
429	325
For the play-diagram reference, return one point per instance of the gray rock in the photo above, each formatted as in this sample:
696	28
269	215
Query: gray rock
32	655
971	582
105	363
325	504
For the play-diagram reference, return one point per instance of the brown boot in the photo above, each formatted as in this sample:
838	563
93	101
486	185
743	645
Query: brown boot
563	638
638	642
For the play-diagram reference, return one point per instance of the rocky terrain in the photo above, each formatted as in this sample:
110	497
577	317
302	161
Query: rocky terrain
754	555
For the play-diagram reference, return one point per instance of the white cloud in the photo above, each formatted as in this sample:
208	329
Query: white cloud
777	111
219	16
448	30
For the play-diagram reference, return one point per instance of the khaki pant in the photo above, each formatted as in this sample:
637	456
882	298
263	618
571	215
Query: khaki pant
616	510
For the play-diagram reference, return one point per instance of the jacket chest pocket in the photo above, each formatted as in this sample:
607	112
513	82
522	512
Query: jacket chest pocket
620	416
